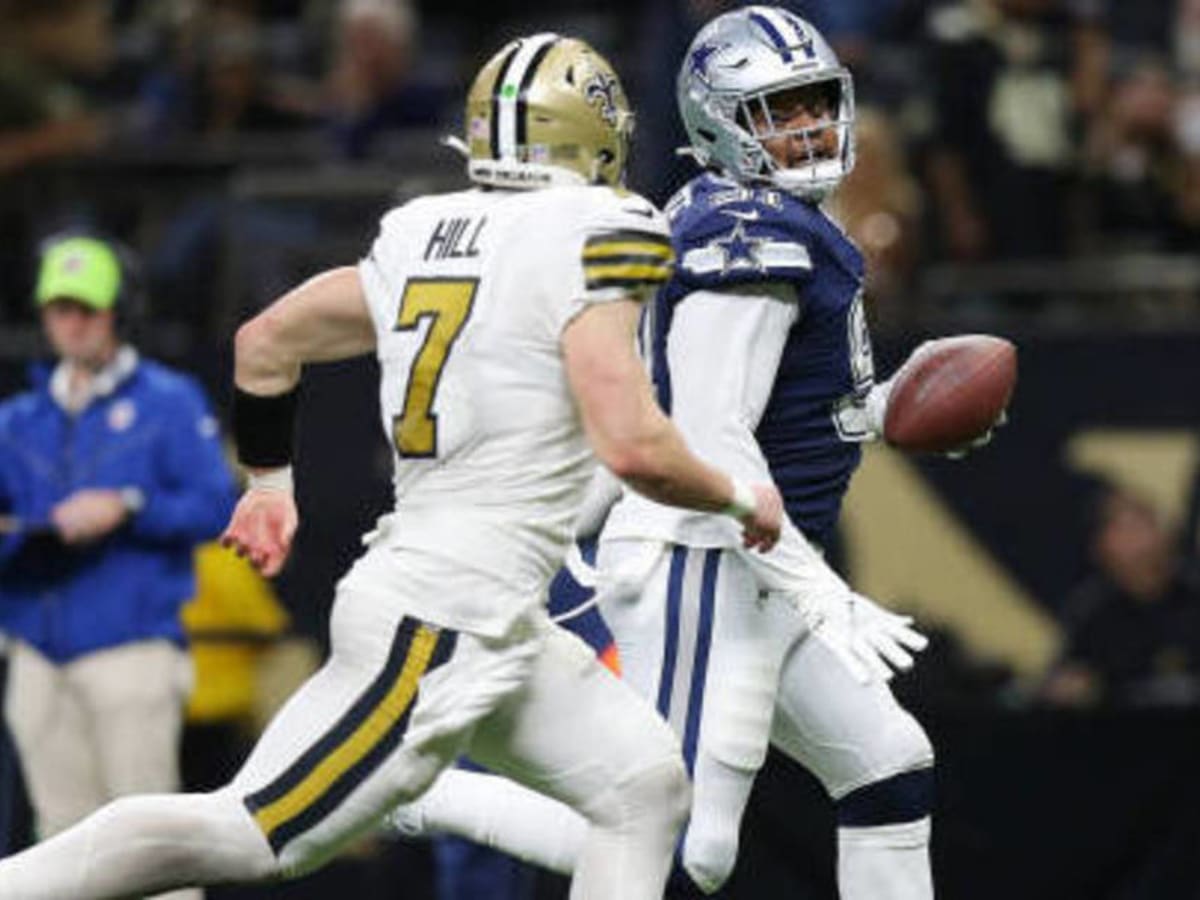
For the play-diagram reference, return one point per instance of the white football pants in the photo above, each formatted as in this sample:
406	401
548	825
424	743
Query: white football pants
397	701
732	671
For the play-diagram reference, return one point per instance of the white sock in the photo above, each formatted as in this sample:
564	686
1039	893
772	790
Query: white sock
498	813
720	795
141	845
885	862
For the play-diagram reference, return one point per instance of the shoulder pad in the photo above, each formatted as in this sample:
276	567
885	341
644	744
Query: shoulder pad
729	234
617	208
627	242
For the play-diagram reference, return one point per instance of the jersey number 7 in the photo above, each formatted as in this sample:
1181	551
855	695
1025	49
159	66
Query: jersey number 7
448	303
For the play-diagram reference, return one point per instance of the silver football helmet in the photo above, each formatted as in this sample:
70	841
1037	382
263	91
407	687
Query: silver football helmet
735	65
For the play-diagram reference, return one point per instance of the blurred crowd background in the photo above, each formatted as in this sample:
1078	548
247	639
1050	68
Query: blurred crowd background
995	134
1026	167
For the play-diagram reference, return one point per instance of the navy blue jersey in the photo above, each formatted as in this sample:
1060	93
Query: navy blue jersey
725	234
567	596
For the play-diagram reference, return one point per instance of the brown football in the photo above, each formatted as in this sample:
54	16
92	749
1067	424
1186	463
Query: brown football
949	392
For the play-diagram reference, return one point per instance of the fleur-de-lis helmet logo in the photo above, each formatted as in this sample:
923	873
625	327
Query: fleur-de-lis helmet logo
600	92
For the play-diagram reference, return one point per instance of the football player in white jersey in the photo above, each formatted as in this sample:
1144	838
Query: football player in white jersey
761	353
504	321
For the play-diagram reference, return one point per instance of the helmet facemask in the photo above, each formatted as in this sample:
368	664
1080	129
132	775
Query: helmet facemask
815	156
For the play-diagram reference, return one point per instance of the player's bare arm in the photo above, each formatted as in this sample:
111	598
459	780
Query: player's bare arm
633	437
322	320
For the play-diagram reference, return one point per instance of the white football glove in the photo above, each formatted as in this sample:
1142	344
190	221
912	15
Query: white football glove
873	642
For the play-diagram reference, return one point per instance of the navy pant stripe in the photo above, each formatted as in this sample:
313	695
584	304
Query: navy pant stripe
671	638
708	595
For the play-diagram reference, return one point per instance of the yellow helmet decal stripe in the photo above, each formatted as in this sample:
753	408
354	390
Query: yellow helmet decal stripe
508	90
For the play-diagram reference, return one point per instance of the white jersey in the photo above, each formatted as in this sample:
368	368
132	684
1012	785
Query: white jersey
470	293
715	407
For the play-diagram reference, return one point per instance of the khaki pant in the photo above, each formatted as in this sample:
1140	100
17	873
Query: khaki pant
101	726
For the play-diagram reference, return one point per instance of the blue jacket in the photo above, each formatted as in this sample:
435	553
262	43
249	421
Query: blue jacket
153	432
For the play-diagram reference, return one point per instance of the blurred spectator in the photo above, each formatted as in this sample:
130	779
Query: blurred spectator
1146	24
43	44
664	32
879	205
216	82
1187	39
851	26
111	471
1141	174
373	84
1132	627
1012	79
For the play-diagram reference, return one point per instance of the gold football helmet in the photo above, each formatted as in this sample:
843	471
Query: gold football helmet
547	110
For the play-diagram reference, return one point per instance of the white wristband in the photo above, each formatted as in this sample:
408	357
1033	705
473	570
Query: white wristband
744	501
273	480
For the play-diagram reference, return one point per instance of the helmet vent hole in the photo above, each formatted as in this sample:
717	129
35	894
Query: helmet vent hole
707	135
571	75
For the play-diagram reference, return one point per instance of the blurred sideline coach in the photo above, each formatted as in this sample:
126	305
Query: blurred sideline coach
111	472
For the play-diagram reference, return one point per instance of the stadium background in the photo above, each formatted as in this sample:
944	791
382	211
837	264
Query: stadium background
1027	167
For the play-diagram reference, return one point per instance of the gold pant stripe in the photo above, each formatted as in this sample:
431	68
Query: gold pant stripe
359	743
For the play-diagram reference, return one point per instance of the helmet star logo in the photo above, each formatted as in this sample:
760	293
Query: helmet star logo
701	56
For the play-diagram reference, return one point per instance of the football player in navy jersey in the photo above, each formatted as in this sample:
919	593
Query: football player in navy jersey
761	353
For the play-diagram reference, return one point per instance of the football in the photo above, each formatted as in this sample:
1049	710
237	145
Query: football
950	392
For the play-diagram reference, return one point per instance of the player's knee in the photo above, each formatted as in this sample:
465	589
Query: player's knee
655	797
661	794
674	788
709	853
911	748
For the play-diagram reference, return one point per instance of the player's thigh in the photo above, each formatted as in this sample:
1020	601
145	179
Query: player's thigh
338	754
632	588
575	731
697	640
135	695
753	635
845	732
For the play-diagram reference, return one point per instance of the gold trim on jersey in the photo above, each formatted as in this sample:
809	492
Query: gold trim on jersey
627	259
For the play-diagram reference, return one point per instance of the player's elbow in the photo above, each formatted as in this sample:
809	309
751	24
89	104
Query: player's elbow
256	350
252	340
640	465
631	460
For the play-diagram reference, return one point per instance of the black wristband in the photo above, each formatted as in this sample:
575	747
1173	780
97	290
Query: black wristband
262	428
